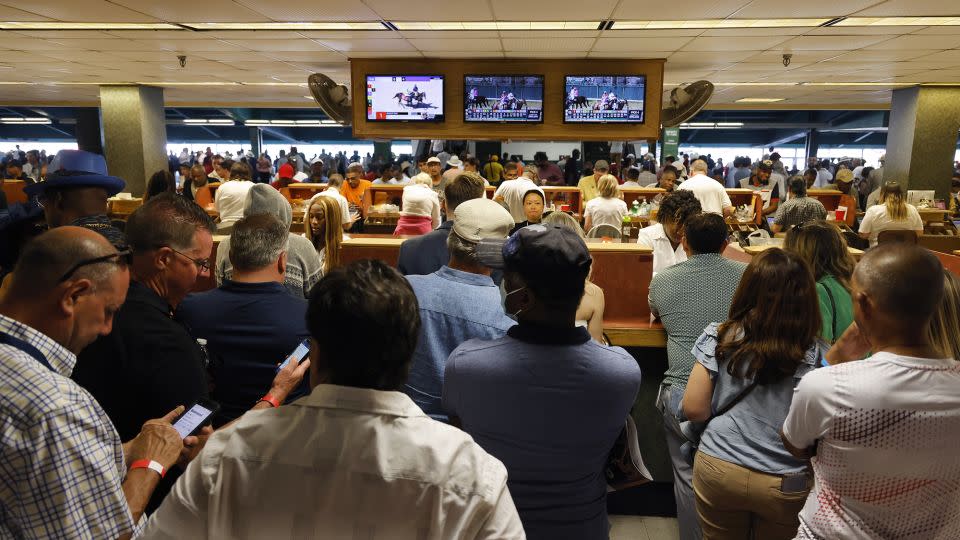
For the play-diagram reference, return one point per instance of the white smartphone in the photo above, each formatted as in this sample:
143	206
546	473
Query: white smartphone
300	354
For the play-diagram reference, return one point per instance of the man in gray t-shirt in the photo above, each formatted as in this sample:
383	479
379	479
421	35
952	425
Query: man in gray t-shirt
687	297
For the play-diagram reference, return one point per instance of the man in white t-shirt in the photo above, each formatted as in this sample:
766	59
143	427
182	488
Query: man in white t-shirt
333	190
711	194
664	238
883	431
229	200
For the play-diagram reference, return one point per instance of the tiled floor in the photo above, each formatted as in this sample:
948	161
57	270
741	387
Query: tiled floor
643	528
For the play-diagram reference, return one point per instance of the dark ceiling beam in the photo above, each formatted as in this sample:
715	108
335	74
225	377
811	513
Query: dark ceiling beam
58	130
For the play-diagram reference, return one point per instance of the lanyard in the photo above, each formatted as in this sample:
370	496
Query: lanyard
17	343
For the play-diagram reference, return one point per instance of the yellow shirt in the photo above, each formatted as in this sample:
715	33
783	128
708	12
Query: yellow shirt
493	171
588	186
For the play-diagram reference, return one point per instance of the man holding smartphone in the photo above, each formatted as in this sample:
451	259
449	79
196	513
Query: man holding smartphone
63	470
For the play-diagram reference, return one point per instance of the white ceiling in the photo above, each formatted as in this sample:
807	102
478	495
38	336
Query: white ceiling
273	65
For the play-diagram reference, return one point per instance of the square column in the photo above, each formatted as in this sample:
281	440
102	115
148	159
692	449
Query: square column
922	138
134	133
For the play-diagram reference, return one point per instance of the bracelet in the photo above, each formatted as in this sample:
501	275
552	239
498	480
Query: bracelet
271	400
149	464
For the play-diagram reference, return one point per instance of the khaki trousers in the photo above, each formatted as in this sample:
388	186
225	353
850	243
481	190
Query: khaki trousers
734	502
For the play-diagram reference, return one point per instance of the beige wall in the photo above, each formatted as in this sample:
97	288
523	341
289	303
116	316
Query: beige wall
134	133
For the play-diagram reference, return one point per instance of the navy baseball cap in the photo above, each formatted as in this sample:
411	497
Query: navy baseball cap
538	251
77	168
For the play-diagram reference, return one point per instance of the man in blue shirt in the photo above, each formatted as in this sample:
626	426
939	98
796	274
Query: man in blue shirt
426	254
252	322
458	302
545	399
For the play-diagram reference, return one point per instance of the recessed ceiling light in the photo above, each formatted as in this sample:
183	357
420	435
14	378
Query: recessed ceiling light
758	100
900	21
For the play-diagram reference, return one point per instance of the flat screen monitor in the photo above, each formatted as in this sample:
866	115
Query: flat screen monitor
613	99
405	98
503	98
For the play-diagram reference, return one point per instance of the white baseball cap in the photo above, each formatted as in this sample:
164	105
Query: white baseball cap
481	218
434	159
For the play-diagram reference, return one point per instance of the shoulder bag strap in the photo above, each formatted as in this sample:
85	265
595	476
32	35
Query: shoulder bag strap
737	399
23	346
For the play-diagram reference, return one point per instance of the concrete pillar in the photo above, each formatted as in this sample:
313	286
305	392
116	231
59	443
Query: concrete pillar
381	150
89	137
256	141
922	138
811	147
134	133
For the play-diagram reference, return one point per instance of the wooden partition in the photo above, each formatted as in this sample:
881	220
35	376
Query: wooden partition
304	191
13	189
831	199
631	194
552	128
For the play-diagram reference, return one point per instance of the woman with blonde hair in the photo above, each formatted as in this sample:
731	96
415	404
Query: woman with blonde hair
891	213
944	329
823	247
590	310
608	208
321	219
420	209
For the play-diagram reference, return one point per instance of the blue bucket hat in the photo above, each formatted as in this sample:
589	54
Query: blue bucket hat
78	168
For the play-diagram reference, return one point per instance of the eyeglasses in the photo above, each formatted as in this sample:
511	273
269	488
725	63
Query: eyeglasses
202	264
123	257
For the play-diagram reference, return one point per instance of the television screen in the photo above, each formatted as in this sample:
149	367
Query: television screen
598	99
503	98
405	98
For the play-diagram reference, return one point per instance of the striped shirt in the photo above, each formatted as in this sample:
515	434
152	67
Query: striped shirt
61	461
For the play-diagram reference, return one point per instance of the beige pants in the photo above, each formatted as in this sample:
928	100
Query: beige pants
734	502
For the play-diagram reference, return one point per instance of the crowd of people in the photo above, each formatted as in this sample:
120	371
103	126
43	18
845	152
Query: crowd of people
469	392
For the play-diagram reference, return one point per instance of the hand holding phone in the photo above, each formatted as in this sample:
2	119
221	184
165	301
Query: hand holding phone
195	417
300	354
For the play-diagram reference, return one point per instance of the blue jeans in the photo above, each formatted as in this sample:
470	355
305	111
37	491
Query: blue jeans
668	403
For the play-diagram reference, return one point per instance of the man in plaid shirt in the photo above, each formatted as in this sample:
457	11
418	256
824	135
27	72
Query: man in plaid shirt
63	470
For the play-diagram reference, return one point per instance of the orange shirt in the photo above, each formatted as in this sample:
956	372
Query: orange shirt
355	195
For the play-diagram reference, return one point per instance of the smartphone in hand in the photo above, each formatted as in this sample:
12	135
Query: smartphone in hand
299	354
195	417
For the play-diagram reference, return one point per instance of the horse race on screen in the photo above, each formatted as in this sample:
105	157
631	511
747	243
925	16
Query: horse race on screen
503	98
604	99
405	97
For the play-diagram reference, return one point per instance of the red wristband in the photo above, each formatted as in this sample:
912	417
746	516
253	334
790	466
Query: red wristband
270	399
149	464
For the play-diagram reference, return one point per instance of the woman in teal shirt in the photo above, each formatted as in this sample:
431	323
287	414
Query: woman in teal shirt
825	250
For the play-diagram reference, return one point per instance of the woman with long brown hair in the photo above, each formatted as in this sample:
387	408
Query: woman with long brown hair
823	247
746	483
893	212
322	220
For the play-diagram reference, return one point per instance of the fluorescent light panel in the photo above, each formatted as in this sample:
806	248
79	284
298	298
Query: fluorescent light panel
86	26
209	121
21	120
293	26
759	100
899	21
717	23
498	25
288	123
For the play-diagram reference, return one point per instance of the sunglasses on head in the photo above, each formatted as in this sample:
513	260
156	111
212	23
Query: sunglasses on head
123	256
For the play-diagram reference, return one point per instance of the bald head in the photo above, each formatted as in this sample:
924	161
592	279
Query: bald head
49	256
905	283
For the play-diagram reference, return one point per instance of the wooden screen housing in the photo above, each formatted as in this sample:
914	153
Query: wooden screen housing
551	129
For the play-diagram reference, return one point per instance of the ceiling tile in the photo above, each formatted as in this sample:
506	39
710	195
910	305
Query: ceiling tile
299	10
762	9
747	43
775	57
740	32
830	43
554	10
869	55
13	14
937	30
432	10
432	45
890	31
58	34
544	54
580	45
449	34
915	8
273	45
247	56
186	11
85	11
464	54
392	54
639	45
367	45
619	55
188	45
709	59
918	41
944	57
683	32
545	34
679	9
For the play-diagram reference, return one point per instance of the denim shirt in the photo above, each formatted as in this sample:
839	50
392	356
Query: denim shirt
455	306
